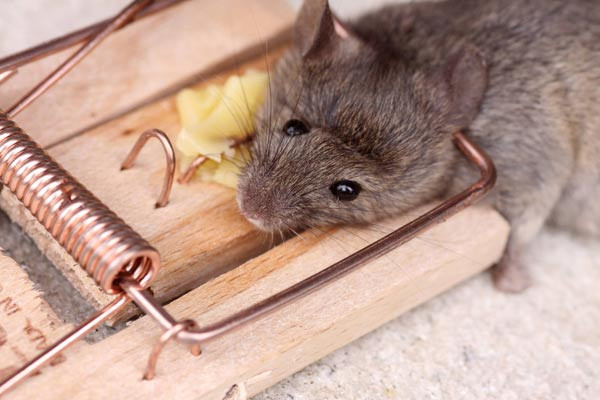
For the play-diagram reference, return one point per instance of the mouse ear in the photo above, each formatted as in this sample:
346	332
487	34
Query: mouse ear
317	30
467	79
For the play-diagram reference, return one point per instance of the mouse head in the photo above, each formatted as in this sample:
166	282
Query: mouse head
348	134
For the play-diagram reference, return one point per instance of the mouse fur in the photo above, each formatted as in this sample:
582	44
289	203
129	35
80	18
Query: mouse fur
381	97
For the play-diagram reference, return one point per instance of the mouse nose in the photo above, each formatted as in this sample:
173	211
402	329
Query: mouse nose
257	205
252	214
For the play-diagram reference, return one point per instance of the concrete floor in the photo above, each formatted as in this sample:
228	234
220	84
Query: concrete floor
470	343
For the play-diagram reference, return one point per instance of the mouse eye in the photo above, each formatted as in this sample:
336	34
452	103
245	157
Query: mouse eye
295	127
345	190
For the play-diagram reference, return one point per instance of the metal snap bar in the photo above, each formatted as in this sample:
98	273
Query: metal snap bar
201	335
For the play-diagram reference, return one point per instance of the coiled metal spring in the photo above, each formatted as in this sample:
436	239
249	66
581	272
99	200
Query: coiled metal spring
105	246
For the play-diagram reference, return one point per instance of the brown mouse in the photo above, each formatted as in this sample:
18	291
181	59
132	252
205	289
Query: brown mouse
360	117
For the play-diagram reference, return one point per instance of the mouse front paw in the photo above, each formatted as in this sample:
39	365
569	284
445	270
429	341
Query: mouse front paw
510	276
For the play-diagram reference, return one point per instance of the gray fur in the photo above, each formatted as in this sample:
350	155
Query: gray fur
383	104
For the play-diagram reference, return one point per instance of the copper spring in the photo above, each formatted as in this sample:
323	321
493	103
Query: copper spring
105	246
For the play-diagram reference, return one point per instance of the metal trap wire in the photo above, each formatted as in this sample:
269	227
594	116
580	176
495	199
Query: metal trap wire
120	261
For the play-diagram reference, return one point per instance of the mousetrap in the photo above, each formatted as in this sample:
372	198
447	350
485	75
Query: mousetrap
250	311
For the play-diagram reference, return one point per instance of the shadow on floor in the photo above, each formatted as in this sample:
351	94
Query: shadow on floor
58	292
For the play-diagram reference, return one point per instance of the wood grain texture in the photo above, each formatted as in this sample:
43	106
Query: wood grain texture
27	324
144	60
263	352
199	234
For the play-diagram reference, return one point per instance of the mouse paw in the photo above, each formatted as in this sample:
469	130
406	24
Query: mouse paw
510	276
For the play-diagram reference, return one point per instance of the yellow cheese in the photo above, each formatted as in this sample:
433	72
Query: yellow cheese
227	173
213	117
224	172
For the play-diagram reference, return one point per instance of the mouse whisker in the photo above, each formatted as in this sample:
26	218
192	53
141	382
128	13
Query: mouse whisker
297	102
282	145
236	163
348	208
250	120
352	250
367	242
270	99
278	150
335	239
307	192
288	226
434	244
278	153
231	172
366	210
380	229
234	109
272	241
285	102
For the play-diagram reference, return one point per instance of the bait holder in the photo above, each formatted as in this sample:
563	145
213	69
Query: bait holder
119	260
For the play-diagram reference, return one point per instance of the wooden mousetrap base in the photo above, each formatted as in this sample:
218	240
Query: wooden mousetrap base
27	324
264	352
200	234
203	239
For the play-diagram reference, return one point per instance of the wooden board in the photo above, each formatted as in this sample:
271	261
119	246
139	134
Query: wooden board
262	353
145	60
199	234
27	324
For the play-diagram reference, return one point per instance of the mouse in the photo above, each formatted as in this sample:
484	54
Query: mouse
360	115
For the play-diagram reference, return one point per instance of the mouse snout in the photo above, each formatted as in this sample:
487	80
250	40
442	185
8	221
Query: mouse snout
264	207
